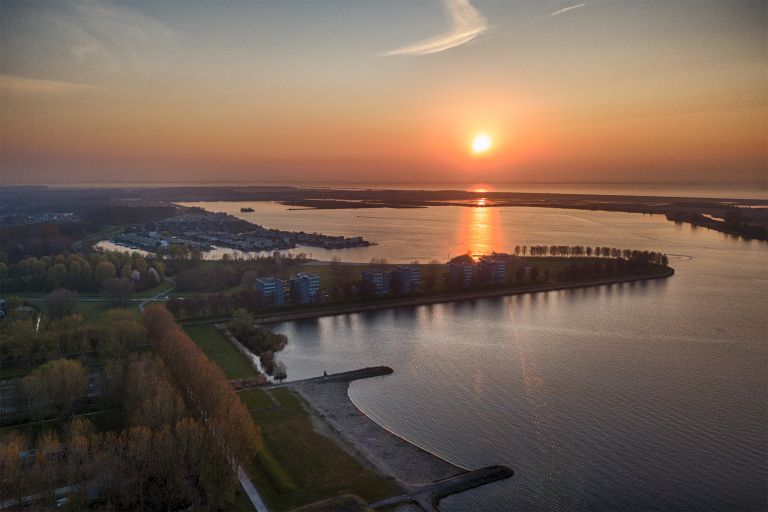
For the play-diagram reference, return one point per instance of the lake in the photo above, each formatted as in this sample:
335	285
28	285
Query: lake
644	396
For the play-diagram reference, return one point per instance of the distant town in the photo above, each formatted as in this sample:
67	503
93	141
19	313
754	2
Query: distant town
203	231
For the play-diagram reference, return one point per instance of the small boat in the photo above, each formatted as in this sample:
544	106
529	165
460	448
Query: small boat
247	209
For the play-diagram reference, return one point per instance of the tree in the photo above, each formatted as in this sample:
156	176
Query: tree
117	290
248	281
154	275
58	384
47	464
104	270
60	302
14	476
19	341
72	335
120	331
57	274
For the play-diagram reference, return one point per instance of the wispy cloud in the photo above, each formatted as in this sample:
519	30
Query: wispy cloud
117	36
19	86
566	9
467	21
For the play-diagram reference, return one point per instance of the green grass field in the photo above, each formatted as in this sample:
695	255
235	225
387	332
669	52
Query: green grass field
255	399
221	351
300	466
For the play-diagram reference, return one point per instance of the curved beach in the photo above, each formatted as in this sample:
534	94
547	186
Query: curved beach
424	477
410	465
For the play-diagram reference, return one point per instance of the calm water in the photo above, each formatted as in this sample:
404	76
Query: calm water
627	397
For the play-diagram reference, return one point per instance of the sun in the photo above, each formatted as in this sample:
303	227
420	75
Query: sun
481	143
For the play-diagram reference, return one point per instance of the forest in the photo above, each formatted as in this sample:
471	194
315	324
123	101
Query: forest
125	413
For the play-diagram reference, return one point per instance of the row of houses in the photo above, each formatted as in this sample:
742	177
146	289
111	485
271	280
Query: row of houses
402	279
303	288
488	270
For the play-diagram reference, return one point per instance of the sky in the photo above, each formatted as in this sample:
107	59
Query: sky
383	90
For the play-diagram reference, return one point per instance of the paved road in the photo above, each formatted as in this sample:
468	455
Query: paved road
250	490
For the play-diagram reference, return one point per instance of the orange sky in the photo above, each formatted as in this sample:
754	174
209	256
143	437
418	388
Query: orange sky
292	91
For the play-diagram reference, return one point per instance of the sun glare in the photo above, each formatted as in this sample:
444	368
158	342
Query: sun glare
481	143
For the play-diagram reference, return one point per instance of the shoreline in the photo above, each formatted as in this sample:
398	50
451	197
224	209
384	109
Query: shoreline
424	477
344	309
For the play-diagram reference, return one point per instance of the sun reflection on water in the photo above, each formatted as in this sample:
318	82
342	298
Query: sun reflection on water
480	229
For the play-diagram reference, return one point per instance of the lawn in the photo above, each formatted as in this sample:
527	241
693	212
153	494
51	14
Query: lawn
255	399
221	351
300	466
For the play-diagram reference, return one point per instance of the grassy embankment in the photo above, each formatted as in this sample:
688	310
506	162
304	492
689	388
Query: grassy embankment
301	466
221	351
297	465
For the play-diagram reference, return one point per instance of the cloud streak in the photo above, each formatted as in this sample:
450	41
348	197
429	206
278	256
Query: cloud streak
19	87
566	9
468	23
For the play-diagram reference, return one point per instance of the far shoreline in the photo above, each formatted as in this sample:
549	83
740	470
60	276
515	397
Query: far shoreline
455	296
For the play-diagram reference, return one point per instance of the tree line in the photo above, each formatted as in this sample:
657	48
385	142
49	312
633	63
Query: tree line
80	272
654	257
205	387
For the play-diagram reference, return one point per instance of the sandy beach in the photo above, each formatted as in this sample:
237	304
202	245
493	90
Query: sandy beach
408	464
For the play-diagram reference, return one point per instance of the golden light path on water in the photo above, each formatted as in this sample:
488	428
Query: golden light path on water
482	230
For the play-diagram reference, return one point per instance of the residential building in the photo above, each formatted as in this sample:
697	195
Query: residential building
377	280
463	274
493	270
405	279
271	289
305	288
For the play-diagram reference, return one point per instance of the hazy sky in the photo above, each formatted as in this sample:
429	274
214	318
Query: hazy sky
383	90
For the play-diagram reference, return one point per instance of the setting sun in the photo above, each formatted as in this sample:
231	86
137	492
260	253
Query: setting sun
481	143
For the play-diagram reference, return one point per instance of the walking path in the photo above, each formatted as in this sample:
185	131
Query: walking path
250	490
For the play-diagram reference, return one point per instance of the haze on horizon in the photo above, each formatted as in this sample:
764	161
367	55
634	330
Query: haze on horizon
367	91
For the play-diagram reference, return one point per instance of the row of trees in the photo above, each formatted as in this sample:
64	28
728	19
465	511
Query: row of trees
80	272
657	258
206	388
161	460
220	304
